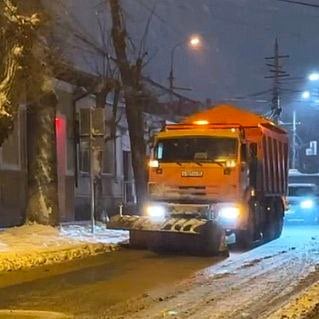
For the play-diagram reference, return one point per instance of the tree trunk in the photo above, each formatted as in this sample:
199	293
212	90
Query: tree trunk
21	65
8	101
136	130
131	80
16	38
42	204
99	202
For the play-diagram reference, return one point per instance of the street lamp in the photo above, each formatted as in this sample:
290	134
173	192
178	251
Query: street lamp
305	95
313	76
194	42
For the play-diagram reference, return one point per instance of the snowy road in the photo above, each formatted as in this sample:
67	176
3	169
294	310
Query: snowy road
139	284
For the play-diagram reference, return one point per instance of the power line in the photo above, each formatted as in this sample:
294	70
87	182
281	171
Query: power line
307	4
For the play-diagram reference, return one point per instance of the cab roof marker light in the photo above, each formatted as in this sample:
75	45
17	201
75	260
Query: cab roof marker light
231	163
201	122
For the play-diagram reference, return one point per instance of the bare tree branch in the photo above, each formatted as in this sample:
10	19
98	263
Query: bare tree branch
142	49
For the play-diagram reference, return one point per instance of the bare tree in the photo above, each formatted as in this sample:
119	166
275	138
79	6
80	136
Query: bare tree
96	57
97	53
133	93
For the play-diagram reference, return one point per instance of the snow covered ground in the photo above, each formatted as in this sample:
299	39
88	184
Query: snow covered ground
34	245
304	305
277	280
251	285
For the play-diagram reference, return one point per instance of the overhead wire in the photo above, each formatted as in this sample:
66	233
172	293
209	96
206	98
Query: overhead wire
306	4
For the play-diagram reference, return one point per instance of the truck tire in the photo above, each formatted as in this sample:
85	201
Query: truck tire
269	229
274	221
245	238
214	240
278	226
279	219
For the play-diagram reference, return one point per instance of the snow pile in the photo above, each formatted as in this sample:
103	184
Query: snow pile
34	245
304	306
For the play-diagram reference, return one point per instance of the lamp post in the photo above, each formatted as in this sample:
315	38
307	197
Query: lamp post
193	42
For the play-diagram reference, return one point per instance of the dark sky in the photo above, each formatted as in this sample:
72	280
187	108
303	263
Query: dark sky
237	35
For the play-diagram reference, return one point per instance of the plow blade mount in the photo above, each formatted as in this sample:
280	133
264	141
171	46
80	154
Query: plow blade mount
192	236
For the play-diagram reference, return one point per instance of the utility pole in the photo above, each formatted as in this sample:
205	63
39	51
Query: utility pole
92	177
294	132
293	129
277	73
92	131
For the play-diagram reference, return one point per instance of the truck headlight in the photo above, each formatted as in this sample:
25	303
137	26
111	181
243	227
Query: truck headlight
307	204
229	212
155	211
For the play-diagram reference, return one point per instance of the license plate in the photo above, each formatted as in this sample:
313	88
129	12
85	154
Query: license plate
192	174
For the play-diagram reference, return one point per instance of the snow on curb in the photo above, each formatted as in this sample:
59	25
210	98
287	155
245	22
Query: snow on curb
35	245
32	314
304	306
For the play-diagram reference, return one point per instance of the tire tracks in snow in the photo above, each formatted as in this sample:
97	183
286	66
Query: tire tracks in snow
239	287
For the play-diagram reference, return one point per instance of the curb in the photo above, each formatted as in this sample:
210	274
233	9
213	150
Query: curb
24	261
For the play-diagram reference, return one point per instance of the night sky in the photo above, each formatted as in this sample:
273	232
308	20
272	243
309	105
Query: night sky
237	35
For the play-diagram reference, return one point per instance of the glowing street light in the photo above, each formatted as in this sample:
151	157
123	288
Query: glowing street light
305	95
313	76
194	42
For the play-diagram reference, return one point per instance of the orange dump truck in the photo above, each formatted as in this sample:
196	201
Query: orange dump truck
220	171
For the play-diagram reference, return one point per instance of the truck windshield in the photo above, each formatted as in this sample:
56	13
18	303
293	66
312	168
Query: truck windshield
198	149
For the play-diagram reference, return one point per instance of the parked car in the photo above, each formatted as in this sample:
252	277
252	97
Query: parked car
303	203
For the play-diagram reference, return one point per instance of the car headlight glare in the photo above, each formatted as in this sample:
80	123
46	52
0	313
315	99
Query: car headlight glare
155	211
307	204
229	212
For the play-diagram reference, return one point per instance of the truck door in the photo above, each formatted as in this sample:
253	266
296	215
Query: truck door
253	162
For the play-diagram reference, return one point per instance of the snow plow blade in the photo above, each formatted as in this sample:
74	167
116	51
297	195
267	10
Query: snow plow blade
192	236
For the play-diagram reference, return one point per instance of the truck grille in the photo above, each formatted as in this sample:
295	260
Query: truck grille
192	190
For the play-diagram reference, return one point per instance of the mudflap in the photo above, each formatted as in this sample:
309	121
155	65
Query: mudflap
210	241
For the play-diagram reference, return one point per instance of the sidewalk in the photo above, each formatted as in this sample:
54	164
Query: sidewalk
35	245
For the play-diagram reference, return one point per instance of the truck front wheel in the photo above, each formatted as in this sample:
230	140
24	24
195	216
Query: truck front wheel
245	238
